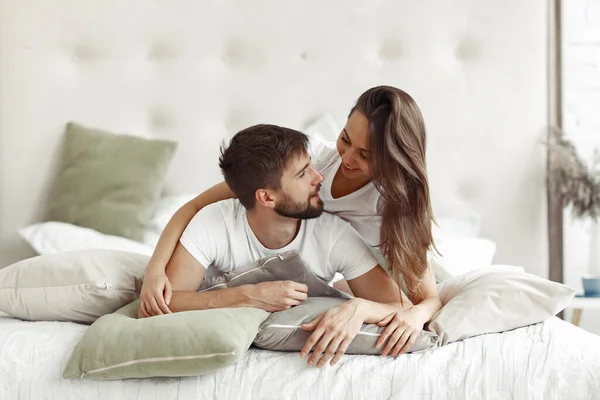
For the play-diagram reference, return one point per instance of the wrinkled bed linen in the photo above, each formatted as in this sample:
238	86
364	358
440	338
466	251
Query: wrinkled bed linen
550	360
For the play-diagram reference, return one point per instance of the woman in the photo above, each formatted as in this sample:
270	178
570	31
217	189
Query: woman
375	178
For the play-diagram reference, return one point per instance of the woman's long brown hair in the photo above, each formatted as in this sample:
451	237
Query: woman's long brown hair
397	146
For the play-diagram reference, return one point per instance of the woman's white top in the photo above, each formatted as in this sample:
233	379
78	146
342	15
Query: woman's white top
358	208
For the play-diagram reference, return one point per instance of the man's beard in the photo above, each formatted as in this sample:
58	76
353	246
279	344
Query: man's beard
289	208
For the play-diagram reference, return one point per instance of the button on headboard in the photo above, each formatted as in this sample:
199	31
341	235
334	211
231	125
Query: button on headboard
198	71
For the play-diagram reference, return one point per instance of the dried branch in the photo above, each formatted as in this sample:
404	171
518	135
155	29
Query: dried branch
578	185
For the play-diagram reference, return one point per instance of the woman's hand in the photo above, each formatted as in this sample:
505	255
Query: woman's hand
333	331
403	328
155	295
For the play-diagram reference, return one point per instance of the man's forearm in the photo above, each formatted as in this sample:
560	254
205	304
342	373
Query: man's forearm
225	298
374	312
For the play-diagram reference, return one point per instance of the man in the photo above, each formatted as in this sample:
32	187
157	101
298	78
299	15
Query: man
278	209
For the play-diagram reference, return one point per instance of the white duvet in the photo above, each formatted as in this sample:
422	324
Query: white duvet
552	360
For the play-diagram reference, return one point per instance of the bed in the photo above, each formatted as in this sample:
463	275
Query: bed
198	72
527	363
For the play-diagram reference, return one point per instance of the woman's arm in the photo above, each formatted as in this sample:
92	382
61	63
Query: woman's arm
179	221
156	291
428	302
403	326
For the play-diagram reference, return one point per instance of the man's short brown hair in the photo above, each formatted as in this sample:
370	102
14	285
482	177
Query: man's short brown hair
256	158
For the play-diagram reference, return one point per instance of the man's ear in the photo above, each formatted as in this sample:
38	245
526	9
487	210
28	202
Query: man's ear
265	197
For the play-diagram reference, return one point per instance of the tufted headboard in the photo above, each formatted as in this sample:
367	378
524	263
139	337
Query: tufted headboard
197	71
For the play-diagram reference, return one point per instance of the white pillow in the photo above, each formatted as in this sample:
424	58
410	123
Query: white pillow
462	254
495	299
457	237
466	223
57	237
78	286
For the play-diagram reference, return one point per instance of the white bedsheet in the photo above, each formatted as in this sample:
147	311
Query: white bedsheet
552	360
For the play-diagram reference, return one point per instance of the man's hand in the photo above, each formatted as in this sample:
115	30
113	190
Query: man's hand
278	295
333	331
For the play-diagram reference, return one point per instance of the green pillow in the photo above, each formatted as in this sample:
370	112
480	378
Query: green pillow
191	343
109	182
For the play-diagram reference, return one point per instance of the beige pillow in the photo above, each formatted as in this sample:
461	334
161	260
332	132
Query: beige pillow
282	332
77	286
120	346
495	299
281	267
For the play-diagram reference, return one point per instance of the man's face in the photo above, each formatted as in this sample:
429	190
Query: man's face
299	193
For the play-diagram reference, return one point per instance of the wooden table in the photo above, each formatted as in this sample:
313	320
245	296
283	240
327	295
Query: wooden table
580	303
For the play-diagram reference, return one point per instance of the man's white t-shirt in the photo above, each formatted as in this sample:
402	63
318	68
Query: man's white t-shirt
221	239
358	208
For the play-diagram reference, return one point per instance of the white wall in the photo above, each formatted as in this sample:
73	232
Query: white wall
581	121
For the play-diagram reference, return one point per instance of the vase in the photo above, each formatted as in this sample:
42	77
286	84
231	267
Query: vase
591	282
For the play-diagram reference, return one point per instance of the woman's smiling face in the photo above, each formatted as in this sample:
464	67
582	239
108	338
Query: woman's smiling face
353	147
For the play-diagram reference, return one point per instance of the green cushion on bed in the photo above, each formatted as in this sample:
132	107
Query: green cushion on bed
109	182
119	346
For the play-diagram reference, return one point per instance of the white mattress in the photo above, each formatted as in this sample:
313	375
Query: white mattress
552	360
